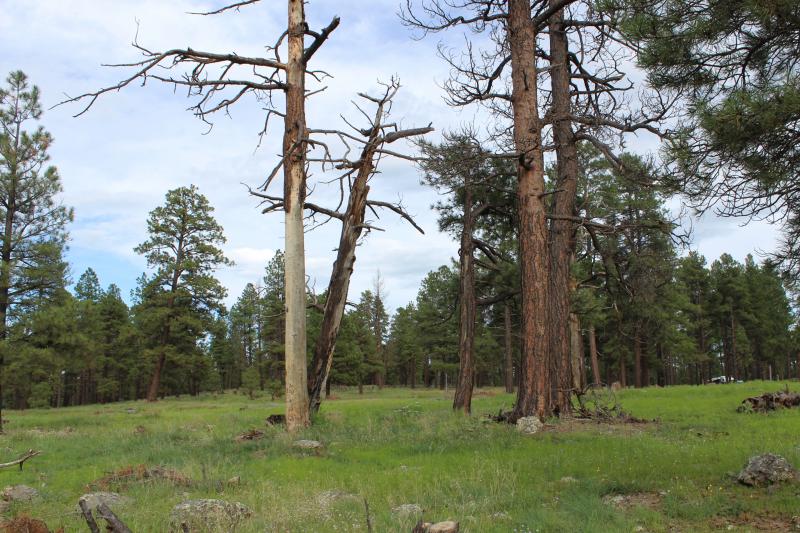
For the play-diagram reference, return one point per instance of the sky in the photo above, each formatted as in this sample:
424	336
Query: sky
118	160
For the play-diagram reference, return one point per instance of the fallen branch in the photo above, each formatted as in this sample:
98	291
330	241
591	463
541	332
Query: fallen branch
115	525
30	454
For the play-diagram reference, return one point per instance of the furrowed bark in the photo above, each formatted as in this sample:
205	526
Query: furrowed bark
533	396
294	153
466	333
509	370
562	230
593	356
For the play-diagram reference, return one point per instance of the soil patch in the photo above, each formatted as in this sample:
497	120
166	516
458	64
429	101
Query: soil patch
139	474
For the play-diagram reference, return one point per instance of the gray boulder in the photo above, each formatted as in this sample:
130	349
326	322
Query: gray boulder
766	469
110	499
19	493
529	425
311	445
201	516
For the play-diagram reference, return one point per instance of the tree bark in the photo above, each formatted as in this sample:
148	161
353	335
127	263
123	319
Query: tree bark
562	230
466	333
509	348
576	353
534	393
294	153
593	356
637	355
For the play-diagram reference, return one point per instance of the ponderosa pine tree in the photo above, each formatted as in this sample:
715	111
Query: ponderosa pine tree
34	220
183	249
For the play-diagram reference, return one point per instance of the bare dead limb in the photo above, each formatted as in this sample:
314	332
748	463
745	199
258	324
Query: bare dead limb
115	525
27	455
87	515
235	6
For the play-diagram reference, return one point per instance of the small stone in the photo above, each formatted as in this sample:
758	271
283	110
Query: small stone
19	493
444	527
111	499
407	509
196	516
529	425
313	445
766	469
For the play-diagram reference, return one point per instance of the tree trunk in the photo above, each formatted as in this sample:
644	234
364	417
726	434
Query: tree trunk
637	355
576	353
339	284
509	347
294	153
593	356
562	230
466	334
5	267
534	393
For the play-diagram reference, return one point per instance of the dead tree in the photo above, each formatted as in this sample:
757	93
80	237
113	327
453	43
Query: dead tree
372	142
219	80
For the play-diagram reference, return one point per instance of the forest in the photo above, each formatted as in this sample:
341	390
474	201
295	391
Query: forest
575	267
582	362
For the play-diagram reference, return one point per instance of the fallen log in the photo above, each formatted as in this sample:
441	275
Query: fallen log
770	401
24	457
115	525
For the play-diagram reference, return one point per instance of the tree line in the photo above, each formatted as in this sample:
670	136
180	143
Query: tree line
580	251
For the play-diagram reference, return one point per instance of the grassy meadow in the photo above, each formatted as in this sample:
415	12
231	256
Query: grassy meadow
400	446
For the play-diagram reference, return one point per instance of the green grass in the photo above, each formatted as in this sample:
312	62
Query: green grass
400	446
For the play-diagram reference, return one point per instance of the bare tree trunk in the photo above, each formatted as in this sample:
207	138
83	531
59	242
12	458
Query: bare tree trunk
509	347
562	230
593	356
466	334
294	153
534	394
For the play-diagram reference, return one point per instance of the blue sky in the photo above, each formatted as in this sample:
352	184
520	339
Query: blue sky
119	159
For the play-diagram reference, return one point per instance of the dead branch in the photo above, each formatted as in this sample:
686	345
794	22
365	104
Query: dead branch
235	6
28	455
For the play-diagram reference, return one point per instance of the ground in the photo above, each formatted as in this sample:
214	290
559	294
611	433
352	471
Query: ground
401	446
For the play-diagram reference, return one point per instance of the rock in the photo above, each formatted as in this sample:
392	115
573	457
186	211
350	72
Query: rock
196	516
444	527
234	481
529	425
111	499
313	445
766	469
407	509
19	493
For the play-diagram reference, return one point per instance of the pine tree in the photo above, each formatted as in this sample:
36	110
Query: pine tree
184	251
